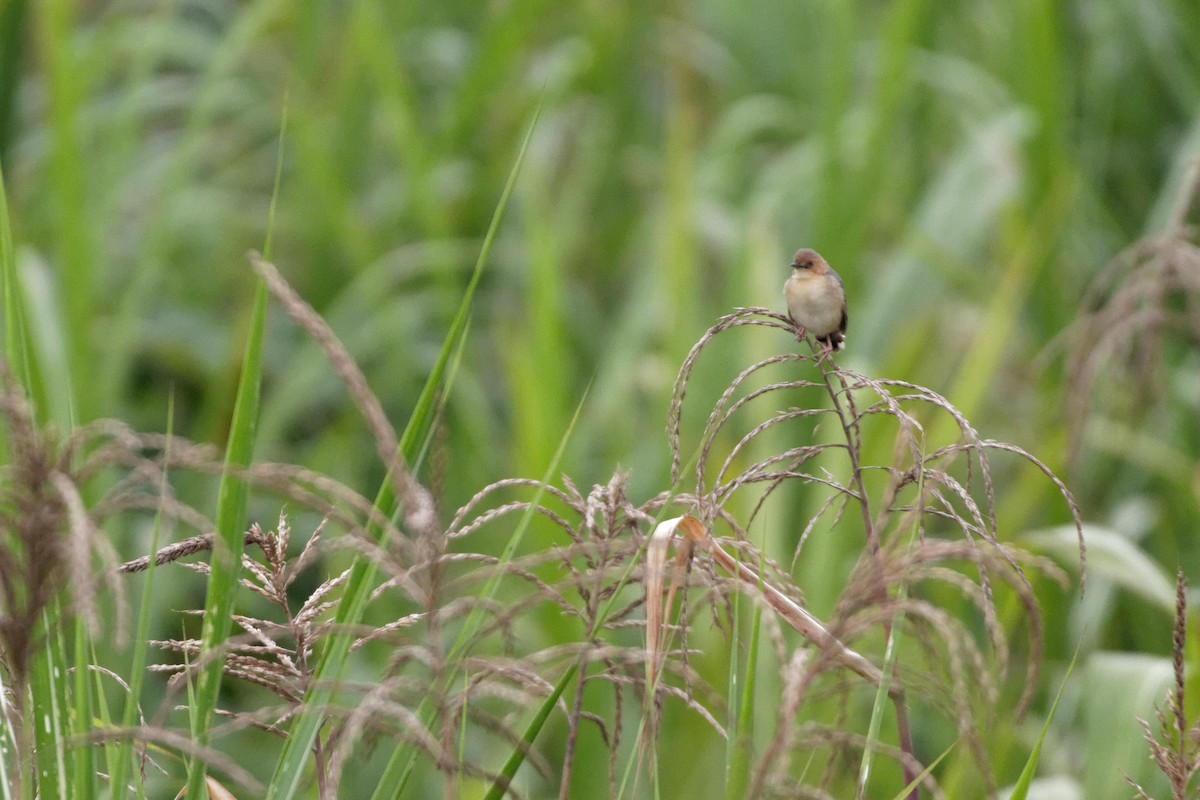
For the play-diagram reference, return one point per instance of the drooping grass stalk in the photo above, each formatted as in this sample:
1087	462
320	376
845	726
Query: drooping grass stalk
866	89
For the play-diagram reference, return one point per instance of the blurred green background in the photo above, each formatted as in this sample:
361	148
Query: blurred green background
968	167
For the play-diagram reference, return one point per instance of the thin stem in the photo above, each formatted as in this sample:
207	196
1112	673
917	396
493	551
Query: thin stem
829	369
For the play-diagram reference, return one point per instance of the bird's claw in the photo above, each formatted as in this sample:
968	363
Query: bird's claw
824	351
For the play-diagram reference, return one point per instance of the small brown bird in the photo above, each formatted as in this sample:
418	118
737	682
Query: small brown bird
816	300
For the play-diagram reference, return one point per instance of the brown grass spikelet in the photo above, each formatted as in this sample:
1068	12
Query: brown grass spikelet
271	654
48	536
1175	747
33	551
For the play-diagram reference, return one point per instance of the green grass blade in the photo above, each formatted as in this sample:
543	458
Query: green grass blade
741	744
8	741
83	766
13	36
889	655
227	549
290	767
396	775
103	720
15	346
903	793
1021	789
49	698
8	744
270	237
422	414
31	355
141	639
41	679
517	758
880	705
231	513
475	620
74	251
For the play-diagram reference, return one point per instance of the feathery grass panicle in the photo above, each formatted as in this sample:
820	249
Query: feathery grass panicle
48	536
1150	291
928	519
1175	748
929	525
935	513
33	552
49	543
272	654
51	536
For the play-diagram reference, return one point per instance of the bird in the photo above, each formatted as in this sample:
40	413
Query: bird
816	300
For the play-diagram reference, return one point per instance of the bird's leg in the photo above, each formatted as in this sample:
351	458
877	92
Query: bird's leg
825	350
801	332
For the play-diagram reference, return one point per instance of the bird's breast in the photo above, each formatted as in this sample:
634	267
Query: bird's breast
815	303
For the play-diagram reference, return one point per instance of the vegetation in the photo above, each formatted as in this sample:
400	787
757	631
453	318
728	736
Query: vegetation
500	469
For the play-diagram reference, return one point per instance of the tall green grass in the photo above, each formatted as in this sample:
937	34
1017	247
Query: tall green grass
968	169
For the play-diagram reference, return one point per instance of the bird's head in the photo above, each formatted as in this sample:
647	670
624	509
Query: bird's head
809	262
